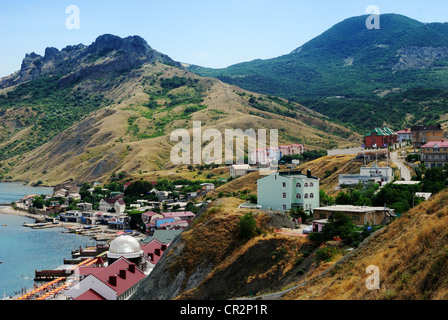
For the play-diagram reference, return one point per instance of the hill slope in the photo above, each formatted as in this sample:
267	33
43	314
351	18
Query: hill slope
356	75
116	109
411	254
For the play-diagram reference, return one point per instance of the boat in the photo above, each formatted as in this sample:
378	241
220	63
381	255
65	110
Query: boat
4	225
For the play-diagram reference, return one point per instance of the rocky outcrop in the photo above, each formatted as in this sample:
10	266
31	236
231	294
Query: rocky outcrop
246	269
108	53
419	57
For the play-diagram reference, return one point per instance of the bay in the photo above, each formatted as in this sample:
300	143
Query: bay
24	250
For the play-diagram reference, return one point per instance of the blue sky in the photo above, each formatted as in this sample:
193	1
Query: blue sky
209	33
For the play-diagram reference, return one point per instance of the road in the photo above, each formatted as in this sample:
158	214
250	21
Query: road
399	162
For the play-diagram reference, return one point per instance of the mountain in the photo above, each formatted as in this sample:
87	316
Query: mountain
356	75
87	112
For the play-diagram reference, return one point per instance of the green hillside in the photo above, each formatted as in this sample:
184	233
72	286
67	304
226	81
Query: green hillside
364	71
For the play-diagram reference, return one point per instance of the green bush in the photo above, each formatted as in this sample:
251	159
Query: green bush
247	226
325	254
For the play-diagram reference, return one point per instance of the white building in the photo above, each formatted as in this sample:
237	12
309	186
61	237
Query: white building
239	170
108	204
284	191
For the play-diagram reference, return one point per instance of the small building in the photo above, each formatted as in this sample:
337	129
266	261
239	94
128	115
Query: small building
435	153
120	223
404	135
74	216
318	225
380	138
118	281
286	190
355	179
207	187
118	205
386	173
85	206
422	135
183	216
239	170
360	215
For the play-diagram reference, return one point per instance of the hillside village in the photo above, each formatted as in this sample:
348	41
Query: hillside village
148	215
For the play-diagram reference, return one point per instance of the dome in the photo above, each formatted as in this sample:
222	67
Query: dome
125	246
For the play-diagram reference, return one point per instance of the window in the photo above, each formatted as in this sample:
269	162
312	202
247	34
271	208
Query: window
356	217
311	184
322	216
298	196
306	195
306	185
284	207
312	195
298	185
284	195
284	184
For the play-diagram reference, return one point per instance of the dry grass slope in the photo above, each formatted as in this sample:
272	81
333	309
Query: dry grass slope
102	143
411	253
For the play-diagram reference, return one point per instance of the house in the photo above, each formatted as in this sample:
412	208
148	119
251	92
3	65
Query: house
117	281
85	206
265	156
375	174
380	138
286	190
422	135
207	187
404	135
120	223
117	205
183	216
355	179
360	215
386	173
318	225
162	195
239	170
153	251
72	216
291	150
435	153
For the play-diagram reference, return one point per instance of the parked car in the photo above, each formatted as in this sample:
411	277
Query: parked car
308	230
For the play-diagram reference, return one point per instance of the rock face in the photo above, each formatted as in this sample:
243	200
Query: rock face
419	57
108	53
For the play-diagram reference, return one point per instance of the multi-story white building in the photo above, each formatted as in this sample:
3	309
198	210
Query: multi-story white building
284	191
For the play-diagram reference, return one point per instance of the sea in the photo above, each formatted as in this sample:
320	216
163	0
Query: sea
24	250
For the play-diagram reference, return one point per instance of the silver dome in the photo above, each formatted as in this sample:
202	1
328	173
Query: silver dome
125	246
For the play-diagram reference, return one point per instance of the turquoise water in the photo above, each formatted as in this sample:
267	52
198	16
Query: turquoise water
10	191
24	250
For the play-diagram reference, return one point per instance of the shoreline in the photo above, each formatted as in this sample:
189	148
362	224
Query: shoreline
11	211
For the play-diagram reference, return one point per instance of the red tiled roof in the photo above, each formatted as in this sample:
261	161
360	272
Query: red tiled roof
404	131
114	270
150	250
442	144
90	295
178	214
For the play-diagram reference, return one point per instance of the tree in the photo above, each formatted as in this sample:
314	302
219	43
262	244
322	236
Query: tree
247	226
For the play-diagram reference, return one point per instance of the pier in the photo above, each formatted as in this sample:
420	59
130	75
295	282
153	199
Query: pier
49	275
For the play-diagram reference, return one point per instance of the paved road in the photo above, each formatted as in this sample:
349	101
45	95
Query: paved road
399	162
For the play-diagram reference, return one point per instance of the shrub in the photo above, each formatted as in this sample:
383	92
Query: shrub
247	226
325	254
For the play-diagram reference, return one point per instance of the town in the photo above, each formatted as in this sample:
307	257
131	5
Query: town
135	222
